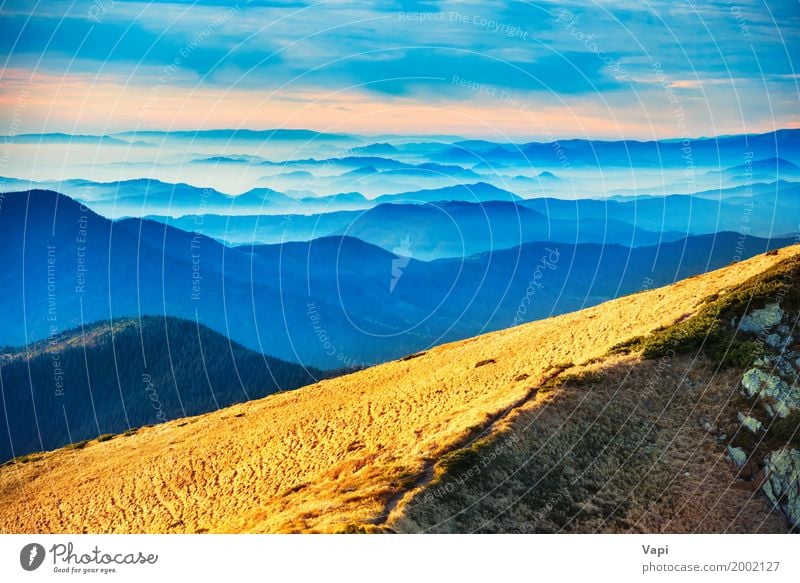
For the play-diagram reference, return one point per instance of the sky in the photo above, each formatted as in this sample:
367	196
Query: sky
517	70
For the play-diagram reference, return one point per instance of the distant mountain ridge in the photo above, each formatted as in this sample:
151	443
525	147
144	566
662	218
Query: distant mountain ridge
442	228
146	196
239	134
329	303
714	151
477	192
429	231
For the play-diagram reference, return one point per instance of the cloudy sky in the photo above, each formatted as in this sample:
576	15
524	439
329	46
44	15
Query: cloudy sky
529	70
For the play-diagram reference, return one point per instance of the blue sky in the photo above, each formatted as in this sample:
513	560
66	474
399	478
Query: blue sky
620	68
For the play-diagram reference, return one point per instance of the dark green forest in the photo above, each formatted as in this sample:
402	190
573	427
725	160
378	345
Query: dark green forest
109	378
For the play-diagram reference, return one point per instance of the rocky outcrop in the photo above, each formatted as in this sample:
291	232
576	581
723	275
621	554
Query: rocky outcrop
738	456
780	398
758	321
750	423
772	383
778	363
773	379
782	482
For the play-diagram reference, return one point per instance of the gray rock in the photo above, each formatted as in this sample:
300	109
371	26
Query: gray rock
781	397
782	482
738	456
781	344
759	320
750	423
780	364
788	372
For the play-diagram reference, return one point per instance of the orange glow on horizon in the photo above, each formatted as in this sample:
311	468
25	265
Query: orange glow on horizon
80	104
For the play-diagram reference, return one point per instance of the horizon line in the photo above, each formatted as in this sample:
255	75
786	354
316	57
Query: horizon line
393	135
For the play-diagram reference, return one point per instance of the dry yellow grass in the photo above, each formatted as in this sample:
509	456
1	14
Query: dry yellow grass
332	455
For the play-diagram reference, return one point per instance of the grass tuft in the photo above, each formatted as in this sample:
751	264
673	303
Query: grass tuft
78	444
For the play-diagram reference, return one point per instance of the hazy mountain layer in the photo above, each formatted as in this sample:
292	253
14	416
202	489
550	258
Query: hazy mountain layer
330	303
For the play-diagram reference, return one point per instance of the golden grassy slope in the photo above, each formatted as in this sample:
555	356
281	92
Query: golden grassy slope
332	455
